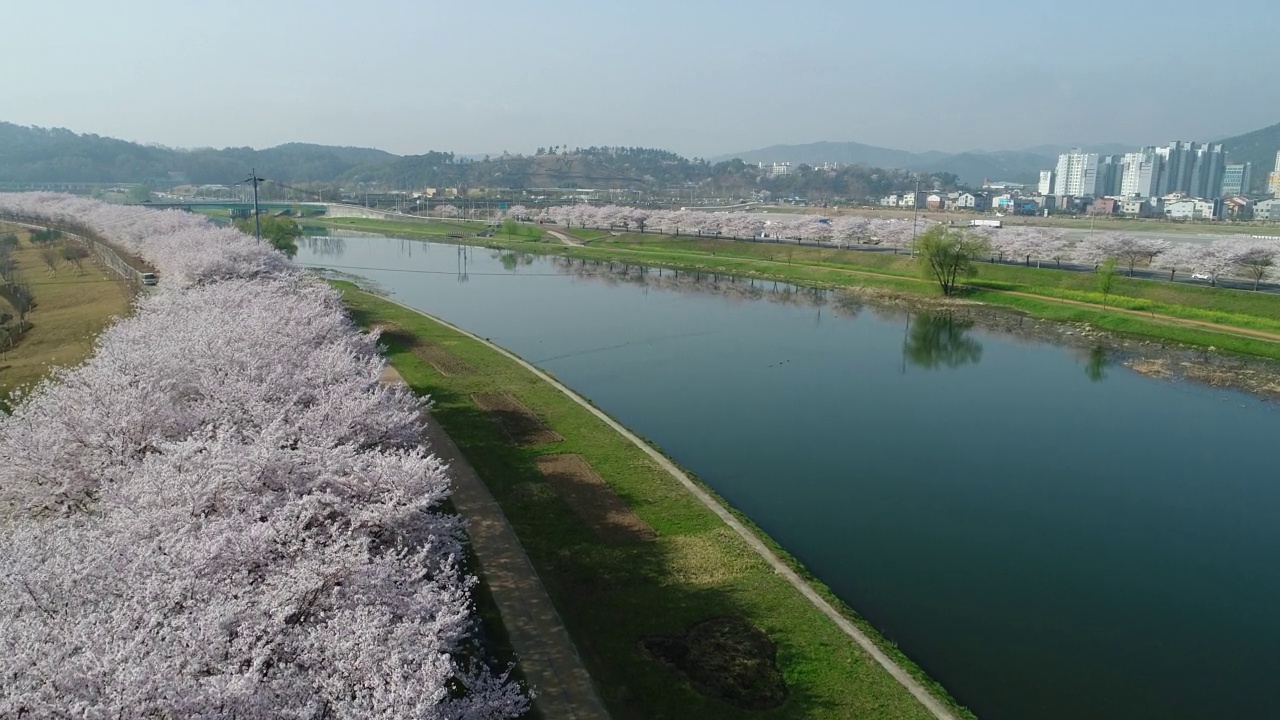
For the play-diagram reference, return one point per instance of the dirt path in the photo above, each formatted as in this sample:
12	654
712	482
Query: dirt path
546	654
1158	317
936	708
564	238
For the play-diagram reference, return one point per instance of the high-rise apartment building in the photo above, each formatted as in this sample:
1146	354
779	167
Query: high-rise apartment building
1178	159
1236	179
1141	173
1046	182
1110	174
1208	163
1077	174
1191	168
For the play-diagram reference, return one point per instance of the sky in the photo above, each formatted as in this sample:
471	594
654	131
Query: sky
700	77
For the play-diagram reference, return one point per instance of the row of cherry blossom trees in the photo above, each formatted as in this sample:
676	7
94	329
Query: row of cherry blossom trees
841	231
224	513
1255	259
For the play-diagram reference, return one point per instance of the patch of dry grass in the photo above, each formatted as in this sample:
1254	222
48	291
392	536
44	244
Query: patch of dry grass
72	307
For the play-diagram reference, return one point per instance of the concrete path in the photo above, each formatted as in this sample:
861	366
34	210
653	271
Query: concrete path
936	708
546	655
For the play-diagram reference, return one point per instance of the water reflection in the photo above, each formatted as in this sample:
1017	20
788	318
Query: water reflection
939	340
511	260
697	282
1095	367
325	246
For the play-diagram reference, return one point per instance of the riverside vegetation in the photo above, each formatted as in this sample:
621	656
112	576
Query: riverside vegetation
1233	320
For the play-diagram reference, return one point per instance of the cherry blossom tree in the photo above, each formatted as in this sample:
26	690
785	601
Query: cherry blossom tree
224	513
1256	259
1127	250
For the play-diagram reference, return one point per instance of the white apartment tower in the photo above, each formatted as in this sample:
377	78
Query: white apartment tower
1046	182
1077	174
1141	173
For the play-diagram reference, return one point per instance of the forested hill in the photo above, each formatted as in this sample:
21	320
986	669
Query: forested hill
1258	147
58	155
31	154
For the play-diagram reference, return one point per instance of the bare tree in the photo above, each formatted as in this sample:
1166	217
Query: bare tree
51	257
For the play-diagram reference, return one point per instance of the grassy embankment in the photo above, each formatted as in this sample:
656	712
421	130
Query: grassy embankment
613	593
1242	321
71	309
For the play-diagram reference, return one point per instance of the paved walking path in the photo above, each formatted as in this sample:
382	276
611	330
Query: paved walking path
546	655
936	708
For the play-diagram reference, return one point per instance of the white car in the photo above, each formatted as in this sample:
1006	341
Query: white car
1200	276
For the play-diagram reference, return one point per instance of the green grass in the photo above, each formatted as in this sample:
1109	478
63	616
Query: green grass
613	595
422	228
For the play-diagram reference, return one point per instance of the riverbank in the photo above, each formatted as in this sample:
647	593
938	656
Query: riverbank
645	576
1231	320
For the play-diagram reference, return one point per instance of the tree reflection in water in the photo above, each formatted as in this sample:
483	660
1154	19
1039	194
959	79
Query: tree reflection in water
935	340
323	246
1095	366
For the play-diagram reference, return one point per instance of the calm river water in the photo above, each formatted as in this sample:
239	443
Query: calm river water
1047	537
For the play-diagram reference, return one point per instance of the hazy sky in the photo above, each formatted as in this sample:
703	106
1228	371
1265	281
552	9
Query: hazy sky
700	77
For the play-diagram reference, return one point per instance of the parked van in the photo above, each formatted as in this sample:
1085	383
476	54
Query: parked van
149	279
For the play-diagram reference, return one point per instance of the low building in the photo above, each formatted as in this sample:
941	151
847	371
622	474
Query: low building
977	202
1103	206
936	202
1267	209
1194	209
1136	207
1237	208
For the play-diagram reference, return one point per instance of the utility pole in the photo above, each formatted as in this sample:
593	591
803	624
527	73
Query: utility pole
915	210
257	225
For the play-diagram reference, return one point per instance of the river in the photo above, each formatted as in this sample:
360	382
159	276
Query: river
1050	536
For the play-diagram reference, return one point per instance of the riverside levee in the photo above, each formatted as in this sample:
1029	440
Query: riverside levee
1045	531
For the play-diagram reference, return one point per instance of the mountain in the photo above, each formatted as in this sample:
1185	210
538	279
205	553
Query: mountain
972	167
1258	147
33	154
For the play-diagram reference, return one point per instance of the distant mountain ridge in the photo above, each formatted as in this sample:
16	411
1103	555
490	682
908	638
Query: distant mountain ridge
1258	147
971	167
33	154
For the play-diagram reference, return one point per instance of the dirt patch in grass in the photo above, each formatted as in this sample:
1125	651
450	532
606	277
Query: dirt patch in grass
593	501
727	659
444	362
517	421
